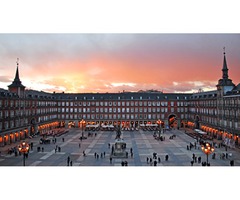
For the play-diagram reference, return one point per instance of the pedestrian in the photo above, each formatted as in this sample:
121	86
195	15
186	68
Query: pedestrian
63	139
84	153
71	163
192	163
109	145
199	159
159	159
193	156
104	154
155	163
110	160
42	149
95	154
166	157
79	145
147	159
68	160
101	155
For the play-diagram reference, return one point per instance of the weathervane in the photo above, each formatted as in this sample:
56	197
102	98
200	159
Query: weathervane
17	61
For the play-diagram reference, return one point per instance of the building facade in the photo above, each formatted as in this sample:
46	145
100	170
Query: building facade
24	113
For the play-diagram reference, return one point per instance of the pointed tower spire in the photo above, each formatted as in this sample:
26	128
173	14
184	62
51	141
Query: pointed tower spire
224	69
16	85
225	84
17	74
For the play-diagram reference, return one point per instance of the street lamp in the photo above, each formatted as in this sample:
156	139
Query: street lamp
23	148
207	149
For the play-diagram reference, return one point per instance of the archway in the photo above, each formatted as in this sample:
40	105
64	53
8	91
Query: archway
172	121
197	119
33	127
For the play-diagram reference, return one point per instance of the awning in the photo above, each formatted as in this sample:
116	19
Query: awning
107	126
200	132
92	125
151	124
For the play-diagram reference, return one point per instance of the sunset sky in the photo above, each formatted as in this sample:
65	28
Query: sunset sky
116	62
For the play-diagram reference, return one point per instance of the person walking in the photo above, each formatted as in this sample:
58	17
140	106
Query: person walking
155	163
166	157
68	160
110	160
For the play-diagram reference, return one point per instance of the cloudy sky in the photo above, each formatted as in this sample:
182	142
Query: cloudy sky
117	62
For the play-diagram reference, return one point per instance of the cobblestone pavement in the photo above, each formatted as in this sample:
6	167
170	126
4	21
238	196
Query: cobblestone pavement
142	143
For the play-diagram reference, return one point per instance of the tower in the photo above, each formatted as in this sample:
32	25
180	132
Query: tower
16	86
224	84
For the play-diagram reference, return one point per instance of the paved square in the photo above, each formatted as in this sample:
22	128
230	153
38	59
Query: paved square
142	143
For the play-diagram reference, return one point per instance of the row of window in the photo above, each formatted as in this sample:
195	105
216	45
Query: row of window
116	116
223	113
26	103
120	110
26	112
24	122
120	103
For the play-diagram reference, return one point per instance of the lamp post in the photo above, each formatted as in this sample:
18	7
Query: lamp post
207	149
23	148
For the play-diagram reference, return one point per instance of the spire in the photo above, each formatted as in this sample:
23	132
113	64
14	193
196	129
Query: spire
224	69
16	82
17	74
225	83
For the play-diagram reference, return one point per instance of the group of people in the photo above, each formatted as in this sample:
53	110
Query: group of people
156	159
102	155
195	159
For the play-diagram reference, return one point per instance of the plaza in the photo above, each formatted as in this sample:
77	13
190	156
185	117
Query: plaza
142	143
